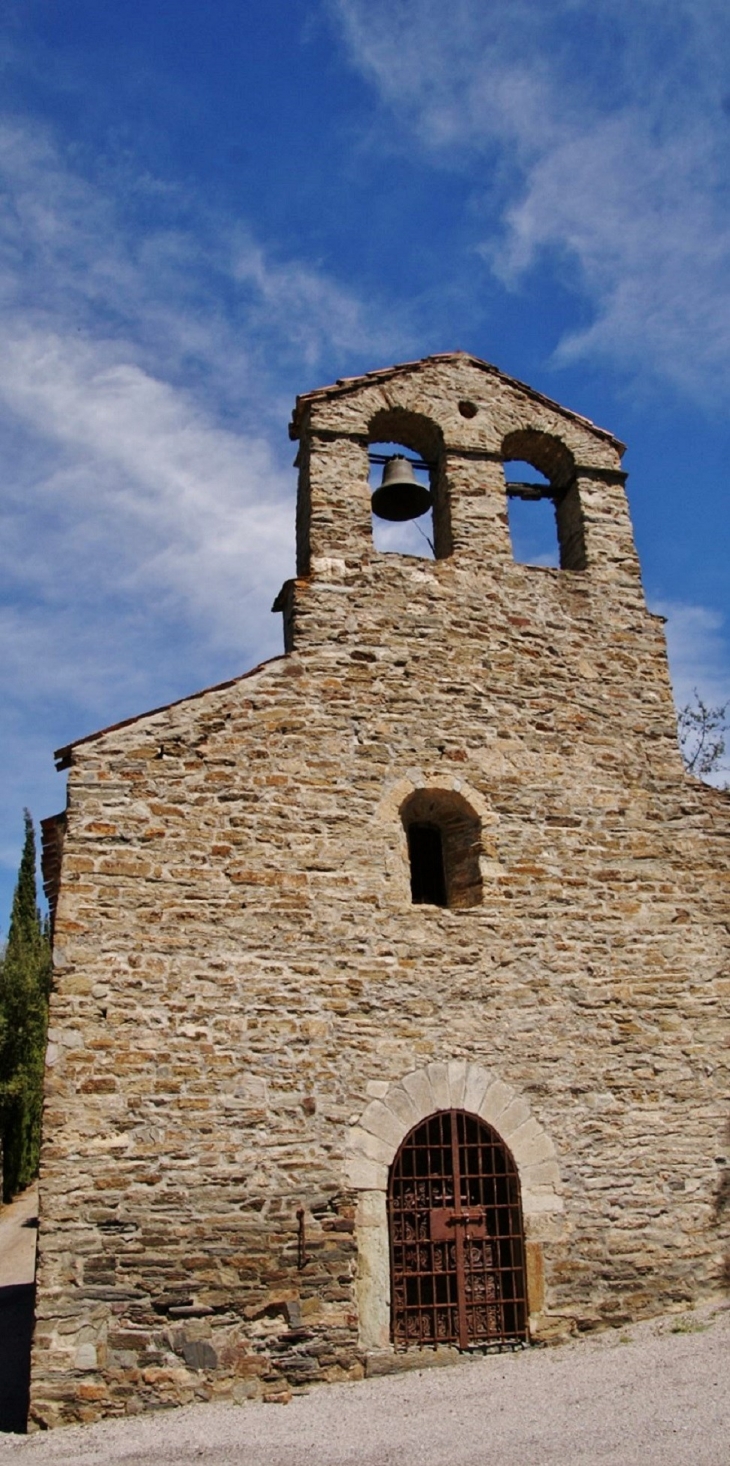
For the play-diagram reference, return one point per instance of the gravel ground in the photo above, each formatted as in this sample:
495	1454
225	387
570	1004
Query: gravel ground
656	1394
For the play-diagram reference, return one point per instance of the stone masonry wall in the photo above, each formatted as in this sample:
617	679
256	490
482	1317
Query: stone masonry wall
240	972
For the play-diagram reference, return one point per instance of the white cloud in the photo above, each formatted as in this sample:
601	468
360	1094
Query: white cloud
194	299
312	310
699	652
652	242
147	496
602	133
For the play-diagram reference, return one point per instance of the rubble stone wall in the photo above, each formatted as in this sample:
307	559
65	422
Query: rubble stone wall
241	975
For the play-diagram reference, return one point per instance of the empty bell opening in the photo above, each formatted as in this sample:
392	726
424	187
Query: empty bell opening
400	495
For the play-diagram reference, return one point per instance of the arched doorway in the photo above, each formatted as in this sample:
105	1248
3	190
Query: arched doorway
457	1249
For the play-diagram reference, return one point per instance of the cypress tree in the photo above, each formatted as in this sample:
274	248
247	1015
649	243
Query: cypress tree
25	981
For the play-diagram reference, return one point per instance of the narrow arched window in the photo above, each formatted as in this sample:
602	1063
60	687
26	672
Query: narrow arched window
444	844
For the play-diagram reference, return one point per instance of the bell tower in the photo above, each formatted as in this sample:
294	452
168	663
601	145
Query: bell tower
578	629
463	420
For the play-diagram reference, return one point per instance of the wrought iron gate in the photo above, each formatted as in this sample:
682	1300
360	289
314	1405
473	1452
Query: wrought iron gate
456	1238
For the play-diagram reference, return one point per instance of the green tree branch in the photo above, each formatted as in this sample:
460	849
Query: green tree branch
25	984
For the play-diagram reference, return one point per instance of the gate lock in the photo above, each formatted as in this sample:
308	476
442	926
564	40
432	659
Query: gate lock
444	1221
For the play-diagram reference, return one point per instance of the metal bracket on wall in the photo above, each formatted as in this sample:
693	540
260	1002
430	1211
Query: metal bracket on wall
530	491
383	458
302	1258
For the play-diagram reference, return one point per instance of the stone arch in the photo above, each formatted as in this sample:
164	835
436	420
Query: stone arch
398	792
546	452
414	430
551	456
388	814
374	1142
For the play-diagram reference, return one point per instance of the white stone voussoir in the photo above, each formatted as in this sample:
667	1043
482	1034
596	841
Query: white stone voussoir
374	1141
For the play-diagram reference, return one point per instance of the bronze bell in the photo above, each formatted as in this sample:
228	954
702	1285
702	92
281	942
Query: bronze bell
400	495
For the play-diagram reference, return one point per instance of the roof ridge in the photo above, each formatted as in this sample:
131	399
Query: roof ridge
348	384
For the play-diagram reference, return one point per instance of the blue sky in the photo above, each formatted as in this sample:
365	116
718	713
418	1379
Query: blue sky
208	208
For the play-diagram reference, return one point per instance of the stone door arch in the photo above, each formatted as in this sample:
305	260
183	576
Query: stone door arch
373	1143
457	1247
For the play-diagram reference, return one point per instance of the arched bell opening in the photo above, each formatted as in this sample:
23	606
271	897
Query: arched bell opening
409	502
543	502
457	1244
401	502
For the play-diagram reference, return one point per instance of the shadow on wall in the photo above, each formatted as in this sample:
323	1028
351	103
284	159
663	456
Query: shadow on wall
17	1312
722	1204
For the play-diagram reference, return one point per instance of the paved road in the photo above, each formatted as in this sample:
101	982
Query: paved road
18	1233
653	1395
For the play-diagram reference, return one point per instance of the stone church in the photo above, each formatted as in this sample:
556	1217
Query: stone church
389	976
